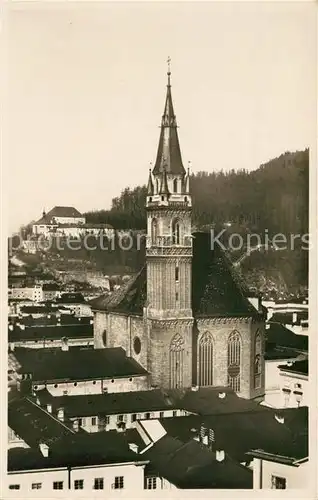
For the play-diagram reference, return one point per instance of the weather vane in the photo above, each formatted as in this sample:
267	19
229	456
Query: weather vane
169	61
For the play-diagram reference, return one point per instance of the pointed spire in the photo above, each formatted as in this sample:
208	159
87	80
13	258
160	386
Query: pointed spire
164	182
150	187
169	148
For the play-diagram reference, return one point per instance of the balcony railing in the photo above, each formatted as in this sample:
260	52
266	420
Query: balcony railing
168	241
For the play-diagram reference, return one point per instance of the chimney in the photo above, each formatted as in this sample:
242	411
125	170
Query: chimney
60	414
211	438
294	317
76	425
133	447
44	449
202	433
220	455
279	419
222	395
65	346
205	440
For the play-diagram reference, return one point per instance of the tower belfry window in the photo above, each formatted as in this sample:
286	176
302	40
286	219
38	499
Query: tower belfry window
177	273
154	231
176	232
175	185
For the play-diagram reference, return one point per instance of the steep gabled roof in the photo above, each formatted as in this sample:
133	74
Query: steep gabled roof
130	298
216	289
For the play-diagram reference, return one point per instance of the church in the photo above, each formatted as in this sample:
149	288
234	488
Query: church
185	316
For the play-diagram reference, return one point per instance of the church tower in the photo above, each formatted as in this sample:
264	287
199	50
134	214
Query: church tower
169	259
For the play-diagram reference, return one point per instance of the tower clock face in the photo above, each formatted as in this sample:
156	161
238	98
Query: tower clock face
137	345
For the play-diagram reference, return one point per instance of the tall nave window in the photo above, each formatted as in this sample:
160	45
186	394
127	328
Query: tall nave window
205	360
234	361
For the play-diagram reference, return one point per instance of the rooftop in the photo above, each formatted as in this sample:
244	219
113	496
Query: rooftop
54	364
238	433
72	450
300	367
33	424
50	332
111	403
190	465
59	212
278	335
71	298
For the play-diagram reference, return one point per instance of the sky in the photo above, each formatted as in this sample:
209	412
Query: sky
86	85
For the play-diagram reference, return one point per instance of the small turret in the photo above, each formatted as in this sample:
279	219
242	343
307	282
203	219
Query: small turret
150	187
164	182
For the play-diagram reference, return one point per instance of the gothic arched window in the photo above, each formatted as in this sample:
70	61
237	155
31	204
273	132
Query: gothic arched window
176	361
257	360
176	232
175	185
157	186
205	360
234	361
154	231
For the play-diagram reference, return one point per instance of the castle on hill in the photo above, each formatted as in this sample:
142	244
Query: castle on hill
184	317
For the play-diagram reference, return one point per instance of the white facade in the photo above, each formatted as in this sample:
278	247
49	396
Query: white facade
294	389
42	343
274	475
273	390
112	422
32	293
131	479
139	383
79	309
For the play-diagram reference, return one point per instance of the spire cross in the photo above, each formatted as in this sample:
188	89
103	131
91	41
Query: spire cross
168	62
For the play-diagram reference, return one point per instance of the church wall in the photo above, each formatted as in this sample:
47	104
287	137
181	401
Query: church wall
121	331
221	328
138	330
161	335
100	325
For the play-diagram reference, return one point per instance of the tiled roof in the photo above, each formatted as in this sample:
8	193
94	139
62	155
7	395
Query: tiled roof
59	212
50	332
286	318
300	367
33	424
111	403
207	401
71	298
75	450
279	335
216	289
53	364
189	465
237	433
279	353
130	298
